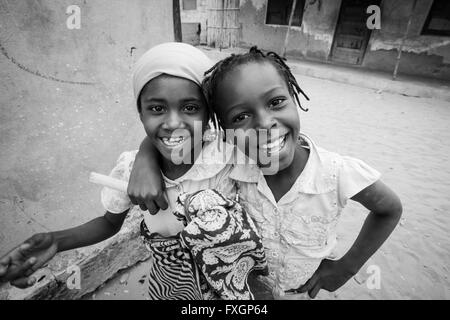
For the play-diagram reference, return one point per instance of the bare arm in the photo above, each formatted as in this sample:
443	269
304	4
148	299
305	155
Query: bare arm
92	232
385	212
146	185
18	264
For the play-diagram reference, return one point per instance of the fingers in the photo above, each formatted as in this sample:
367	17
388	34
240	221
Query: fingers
7	261
132	199
137	201
309	284
152	207
15	272
314	291
312	286
162	201
29	263
28	267
4	264
16	254
151	199
147	203
24	282
19	261
30	271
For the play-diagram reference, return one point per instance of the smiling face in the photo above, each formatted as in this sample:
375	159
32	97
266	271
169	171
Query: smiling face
254	97
171	110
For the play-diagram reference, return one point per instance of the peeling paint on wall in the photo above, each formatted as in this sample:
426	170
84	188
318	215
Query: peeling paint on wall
317	34
424	55
313	39
409	46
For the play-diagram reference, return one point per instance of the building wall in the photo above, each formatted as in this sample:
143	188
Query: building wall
312	40
422	55
200	15
67	106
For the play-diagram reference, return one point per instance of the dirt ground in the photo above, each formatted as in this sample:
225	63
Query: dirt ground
406	138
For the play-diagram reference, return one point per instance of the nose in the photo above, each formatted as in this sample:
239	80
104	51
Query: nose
265	120
173	121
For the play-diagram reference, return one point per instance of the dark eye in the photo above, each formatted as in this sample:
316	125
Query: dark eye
239	118
190	108
276	102
156	108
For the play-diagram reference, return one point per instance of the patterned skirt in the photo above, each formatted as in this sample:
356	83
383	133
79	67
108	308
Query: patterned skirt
212	258
224	243
173	275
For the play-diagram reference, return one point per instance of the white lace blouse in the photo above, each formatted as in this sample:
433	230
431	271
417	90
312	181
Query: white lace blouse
300	230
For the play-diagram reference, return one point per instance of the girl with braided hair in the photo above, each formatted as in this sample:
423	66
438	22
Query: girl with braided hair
297	206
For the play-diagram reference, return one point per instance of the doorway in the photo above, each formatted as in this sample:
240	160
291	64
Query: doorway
223	23
352	35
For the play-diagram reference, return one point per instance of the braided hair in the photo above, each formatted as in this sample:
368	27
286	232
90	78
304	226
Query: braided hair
214	75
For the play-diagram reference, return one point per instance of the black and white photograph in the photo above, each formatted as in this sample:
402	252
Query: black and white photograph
226	150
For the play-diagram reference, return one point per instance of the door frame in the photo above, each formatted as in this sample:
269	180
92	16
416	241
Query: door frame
369	35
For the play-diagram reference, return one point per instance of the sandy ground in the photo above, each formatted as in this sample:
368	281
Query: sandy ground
405	138
53	134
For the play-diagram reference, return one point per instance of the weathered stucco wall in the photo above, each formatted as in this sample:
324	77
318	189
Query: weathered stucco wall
422	54
66	105
312	40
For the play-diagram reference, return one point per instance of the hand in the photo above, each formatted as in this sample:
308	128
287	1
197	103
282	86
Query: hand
330	275
146	187
20	263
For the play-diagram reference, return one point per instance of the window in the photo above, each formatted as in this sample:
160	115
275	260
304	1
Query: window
438	20
279	11
189	4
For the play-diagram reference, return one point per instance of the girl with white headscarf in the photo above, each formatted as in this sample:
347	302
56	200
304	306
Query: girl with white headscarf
167	89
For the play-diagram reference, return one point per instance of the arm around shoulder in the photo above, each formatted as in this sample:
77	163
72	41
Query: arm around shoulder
146	185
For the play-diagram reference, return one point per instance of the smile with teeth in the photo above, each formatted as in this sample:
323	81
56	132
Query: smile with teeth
274	146
173	141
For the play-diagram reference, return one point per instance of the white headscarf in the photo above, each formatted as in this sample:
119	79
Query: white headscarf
173	58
